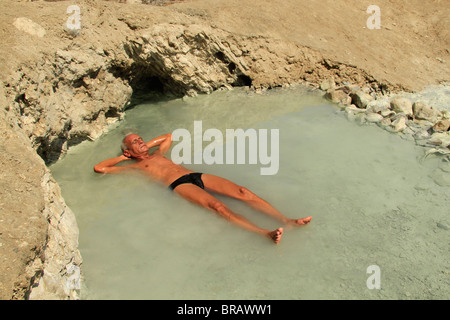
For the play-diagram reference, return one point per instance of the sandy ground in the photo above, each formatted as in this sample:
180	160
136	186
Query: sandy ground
411	49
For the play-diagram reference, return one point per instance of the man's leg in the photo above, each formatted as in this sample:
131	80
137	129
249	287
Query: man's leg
200	197
229	188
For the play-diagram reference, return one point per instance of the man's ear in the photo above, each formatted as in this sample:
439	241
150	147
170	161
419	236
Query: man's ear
127	153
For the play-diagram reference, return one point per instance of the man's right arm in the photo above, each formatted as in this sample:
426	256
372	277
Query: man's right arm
108	165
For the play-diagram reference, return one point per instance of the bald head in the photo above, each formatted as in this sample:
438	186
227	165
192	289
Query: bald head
133	146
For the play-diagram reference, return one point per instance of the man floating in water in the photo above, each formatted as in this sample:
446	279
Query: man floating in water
193	186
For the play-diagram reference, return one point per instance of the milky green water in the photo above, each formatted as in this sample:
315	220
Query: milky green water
373	200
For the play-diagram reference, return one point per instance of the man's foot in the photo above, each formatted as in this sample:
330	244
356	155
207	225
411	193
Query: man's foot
300	222
276	235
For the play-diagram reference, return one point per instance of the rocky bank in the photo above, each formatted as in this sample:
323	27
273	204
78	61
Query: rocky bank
61	86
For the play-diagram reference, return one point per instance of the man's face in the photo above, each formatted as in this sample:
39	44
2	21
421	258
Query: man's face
135	145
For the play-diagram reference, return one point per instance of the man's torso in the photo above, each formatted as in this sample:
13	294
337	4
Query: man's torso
161	169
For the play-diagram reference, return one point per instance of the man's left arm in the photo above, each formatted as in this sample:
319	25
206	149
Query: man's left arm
164	142
108	165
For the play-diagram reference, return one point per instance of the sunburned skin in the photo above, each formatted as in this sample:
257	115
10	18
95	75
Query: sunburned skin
163	170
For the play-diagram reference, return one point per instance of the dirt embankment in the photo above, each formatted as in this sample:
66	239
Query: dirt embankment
60	87
411	49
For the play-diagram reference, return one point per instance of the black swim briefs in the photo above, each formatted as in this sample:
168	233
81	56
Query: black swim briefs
194	178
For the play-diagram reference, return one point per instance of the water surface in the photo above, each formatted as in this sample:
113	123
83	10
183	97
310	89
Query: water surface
373	198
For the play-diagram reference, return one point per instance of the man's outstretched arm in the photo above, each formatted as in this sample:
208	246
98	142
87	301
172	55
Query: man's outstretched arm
164	142
108	165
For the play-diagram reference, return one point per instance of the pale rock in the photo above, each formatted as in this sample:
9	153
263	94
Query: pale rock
381	108
415	126
423	112
387	113
328	84
399	124
421	135
409	132
400	104
350	88
385	122
361	118
338	96
374	117
29	26
361	99
354	109
351	116
445	114
425	124
440	139
442	125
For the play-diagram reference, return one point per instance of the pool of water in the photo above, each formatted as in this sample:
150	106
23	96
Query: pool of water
373	199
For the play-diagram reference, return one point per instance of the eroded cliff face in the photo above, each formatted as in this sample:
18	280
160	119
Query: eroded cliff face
39	234
66	98
200	59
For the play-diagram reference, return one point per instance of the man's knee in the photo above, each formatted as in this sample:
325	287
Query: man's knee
218	207
245	194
